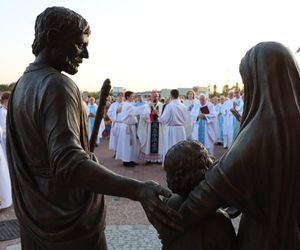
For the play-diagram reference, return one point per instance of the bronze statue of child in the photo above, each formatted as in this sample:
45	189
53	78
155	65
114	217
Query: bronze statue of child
185	166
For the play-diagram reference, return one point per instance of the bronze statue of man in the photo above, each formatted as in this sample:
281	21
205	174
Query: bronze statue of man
57	186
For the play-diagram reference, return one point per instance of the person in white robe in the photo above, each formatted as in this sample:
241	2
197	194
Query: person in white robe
215	102
91	113
127	146
113	114
5	184
150	132
204	118
238	106
100	132
219	110
174	116
3	113
228	120
139	101
189	103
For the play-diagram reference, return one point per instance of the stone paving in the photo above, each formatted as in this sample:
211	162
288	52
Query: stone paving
125	237
127	226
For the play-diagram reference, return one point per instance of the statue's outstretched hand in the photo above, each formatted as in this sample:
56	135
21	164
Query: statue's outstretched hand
162	217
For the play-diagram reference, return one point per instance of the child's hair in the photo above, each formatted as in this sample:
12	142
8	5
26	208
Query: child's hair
186	163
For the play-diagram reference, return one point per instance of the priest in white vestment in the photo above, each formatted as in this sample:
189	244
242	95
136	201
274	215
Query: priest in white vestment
174	116
219	110
189	103
3	113
100	131
228	119
113	114
150	131
91	113
127	146
238	106
5	184
204	118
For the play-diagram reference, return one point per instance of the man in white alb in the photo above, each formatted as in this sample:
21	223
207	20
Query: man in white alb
219	109
174	116
238	106
189	103
113	114
228	121
3	113
204	120
91	113
127	146
5	184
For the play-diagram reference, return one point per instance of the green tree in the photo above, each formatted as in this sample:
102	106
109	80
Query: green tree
225	89
4	87
11	86
215	90
237	85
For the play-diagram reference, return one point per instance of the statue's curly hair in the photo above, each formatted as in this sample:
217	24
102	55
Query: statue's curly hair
62	21
186	163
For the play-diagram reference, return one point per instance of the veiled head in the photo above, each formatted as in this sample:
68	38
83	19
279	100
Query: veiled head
271	81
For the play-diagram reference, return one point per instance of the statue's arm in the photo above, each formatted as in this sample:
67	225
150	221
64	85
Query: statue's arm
72	166
201	202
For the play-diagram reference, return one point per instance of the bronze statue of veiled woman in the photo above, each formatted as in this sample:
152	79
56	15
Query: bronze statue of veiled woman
260	172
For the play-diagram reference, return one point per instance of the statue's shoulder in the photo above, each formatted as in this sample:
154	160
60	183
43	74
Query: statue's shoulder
60	83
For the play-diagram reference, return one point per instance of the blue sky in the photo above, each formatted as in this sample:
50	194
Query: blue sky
154	44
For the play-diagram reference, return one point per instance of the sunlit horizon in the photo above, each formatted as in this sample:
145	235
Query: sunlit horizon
143	45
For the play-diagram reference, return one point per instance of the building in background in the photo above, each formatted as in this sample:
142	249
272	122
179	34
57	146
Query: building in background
116	90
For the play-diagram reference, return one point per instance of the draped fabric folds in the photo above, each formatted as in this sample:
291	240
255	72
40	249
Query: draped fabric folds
260	172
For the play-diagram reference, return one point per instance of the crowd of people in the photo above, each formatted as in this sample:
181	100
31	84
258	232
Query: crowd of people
146	130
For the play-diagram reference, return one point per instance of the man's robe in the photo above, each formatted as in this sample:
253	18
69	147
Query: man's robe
47	143
3	115
189	104
219	108
239	108
5	184
92	109
174	117
115	118
150	133
228	123
205	130
127	148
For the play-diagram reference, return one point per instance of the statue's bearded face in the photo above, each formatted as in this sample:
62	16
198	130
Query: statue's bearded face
71	54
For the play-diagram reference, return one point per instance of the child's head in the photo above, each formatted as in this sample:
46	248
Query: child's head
186	164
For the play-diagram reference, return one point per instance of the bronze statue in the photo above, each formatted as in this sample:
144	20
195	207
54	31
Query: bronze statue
57	187
186	164
260	172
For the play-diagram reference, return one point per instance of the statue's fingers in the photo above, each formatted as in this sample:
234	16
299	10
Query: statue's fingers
169	219
169	212
163	191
